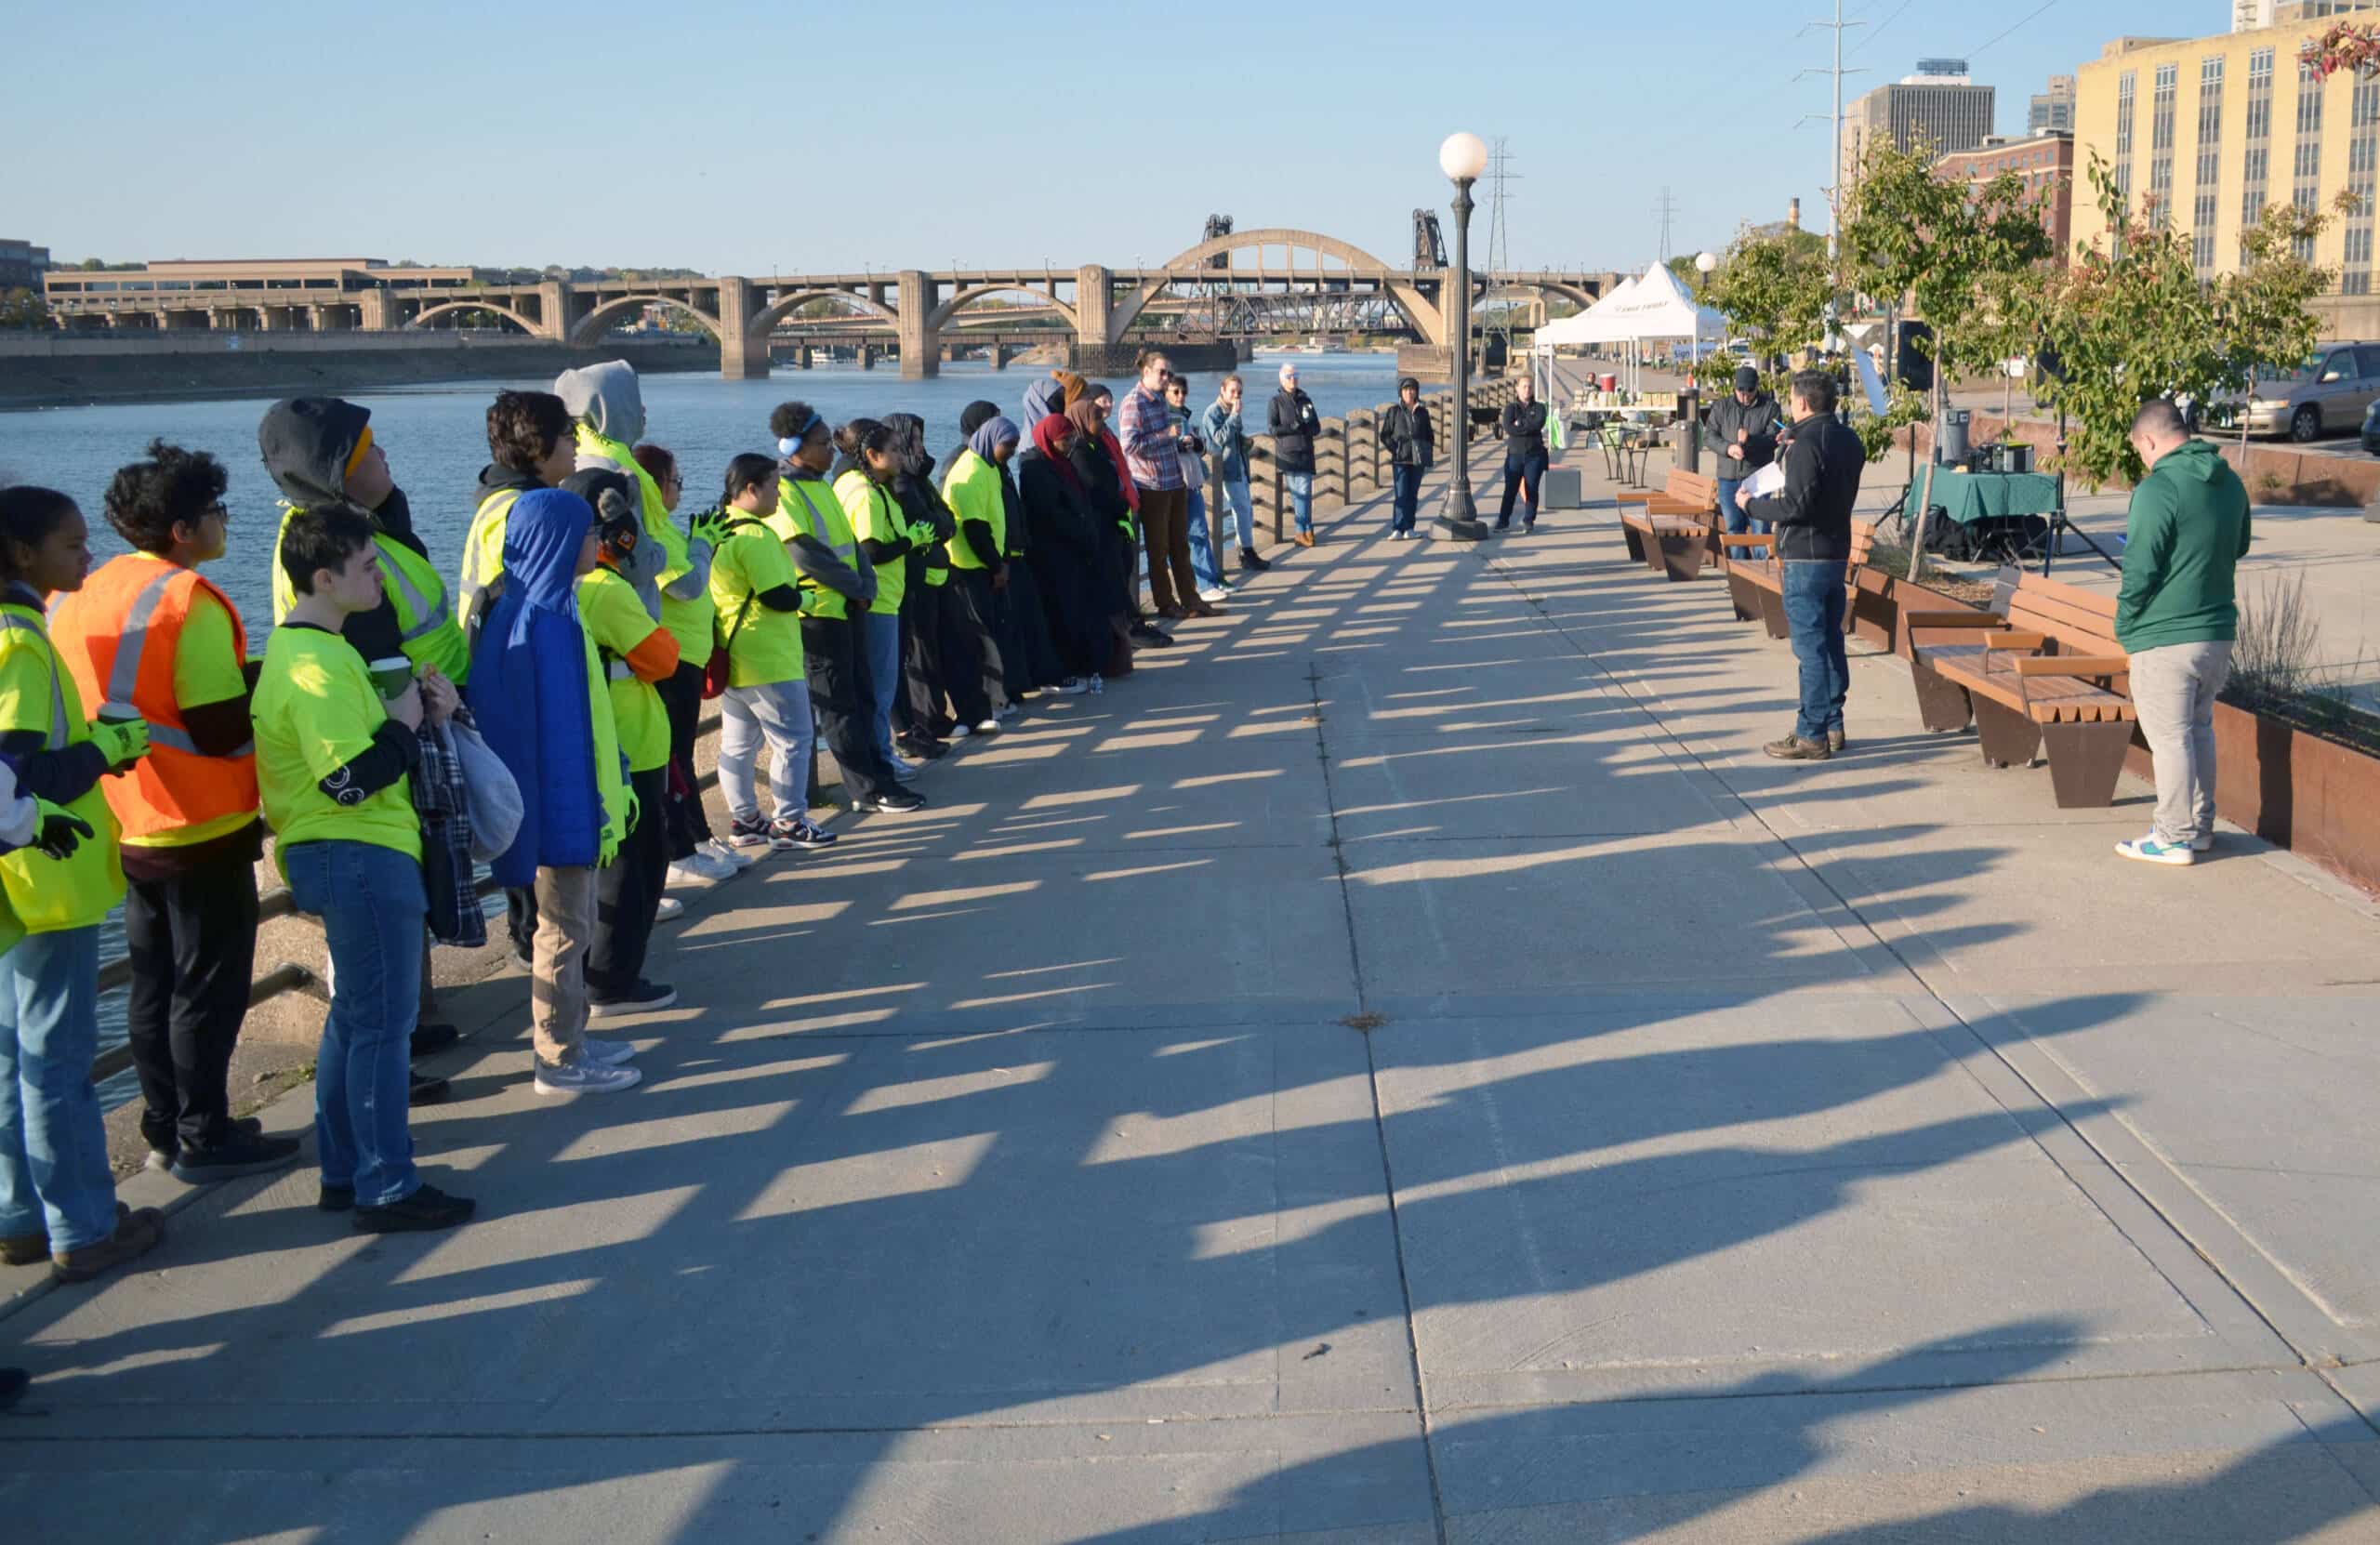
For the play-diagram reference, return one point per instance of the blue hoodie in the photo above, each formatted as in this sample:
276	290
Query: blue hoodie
532	694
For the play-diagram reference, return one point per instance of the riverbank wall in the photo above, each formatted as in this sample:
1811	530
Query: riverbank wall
66	370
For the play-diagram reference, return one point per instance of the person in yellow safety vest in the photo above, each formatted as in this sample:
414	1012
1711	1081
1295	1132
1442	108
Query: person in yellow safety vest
531	444
619	604
56	1191
322	453
837	586
979	567
926	658
863	467
148	634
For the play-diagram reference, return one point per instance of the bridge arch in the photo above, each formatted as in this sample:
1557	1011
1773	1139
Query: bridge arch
1579	293
765	320
590	328
1190	266
941	315
421	318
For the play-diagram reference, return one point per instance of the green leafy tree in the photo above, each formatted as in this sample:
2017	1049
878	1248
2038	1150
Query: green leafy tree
1774	290
1968	261
23	310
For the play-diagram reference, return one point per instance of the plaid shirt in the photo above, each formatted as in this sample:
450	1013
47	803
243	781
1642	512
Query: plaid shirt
439	797
1146	428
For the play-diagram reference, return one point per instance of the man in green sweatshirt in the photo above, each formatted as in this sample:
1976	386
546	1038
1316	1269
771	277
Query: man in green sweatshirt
2175	617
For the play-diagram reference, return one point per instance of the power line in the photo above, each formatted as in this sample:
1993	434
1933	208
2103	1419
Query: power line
1882	25
2011	32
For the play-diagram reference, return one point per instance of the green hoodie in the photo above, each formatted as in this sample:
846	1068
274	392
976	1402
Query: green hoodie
2188	531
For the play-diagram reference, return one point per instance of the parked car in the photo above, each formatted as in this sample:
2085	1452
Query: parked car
2372	429
2330	391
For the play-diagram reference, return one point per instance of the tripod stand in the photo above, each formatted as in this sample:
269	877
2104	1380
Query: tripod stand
2060	521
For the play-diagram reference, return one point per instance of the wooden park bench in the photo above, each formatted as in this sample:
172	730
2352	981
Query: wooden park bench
1672	532
1756	583
2041	669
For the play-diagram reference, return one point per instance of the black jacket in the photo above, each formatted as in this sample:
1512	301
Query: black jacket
1524	429
1760	421
1294	424
1406	432
1812	513
1057	516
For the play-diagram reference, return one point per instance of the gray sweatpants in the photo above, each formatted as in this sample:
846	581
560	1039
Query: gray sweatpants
2173	690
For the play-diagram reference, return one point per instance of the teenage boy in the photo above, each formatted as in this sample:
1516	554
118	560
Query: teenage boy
531	444
538	696
768	685
332	766
147	634
621	607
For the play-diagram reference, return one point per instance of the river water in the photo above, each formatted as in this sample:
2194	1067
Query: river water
436	438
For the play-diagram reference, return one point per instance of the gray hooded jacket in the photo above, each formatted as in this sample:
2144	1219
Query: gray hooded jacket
606	399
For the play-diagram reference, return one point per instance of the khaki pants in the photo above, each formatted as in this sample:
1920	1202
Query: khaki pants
558	969
1165	525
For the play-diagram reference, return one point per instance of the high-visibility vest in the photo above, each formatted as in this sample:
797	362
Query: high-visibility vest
483	552
972	490
119	636
825	519
689	622
427	630
51	895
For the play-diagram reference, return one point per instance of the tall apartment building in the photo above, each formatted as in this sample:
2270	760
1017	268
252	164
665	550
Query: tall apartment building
2212	129
1939	105
2053	110
21	265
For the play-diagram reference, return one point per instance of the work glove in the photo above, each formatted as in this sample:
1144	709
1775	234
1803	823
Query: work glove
710	528
122	742
61	830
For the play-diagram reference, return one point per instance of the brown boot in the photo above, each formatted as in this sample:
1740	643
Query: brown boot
136	1235
1794	748
24	1250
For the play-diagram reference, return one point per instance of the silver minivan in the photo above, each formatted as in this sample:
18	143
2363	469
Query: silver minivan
2329	392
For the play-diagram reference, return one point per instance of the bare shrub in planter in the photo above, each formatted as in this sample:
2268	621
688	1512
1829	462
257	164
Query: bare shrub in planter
2275	667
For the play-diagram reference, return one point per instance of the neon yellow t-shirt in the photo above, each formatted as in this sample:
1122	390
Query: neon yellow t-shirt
615	618
764	644
314	712
875	517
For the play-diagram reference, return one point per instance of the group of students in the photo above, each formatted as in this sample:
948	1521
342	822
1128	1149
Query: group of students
836	589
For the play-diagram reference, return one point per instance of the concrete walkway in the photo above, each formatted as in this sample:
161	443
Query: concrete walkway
1402	1067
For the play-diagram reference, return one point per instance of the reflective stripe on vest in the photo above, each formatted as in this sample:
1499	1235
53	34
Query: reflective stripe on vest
428	616
10	621
478	573
124	678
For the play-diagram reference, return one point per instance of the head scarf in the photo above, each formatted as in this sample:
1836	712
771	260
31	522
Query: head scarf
1043	399
1085	417
1045	439
909	443
1071	386
975	415
991	434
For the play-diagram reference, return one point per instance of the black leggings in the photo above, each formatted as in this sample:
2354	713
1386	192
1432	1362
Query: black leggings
682	695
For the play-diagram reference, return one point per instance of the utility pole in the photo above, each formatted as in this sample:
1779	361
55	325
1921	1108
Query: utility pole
1667	209
1834	177
1499	256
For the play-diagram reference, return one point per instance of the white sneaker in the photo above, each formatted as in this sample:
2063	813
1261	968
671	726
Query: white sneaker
1012	711
700	868
585	1077
1073	686
742	858
2202	843
989	727
606	1053
1213	593
1098	686
670	908
959	731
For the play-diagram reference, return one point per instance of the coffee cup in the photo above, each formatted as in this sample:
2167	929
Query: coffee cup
390	677
117	713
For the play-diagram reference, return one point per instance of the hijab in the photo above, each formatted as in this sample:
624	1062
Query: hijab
1043	399
1090	425
991	434
1045	439
1070	385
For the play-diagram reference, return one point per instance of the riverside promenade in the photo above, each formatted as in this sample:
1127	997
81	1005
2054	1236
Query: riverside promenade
1402	1067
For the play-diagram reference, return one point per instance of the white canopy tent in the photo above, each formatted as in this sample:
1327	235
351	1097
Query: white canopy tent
1650	308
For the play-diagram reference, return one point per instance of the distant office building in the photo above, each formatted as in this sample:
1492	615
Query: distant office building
23	265
2286	11
2249	15
1939	105
2045	162
2053	110
2210	130
300	293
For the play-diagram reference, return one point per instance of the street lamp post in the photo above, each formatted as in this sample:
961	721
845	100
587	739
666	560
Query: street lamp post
1462	158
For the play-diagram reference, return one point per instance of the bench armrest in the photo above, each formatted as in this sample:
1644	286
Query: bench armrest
1952	619
2074	664
1747	539
1633	495
2017	640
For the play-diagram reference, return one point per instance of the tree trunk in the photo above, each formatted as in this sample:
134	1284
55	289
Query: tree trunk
1933	460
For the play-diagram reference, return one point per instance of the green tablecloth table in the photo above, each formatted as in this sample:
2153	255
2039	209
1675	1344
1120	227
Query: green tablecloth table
1972	496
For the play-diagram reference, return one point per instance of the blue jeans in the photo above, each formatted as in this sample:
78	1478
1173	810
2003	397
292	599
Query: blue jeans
1300	488
1737	520
882	631
1813	598
1243	511
54	1172
1522	474
1202	544
372	905
1407	483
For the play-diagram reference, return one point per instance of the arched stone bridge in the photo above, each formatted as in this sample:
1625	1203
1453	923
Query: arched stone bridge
1096	306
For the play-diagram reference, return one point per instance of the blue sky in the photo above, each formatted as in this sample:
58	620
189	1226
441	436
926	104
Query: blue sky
735	137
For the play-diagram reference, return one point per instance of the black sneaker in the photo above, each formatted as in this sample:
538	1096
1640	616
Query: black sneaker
920	747
803	833
643	999
428	1208
1251	561
894	801
431	1037
427	1090
336	1198
12	1384
233	1157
